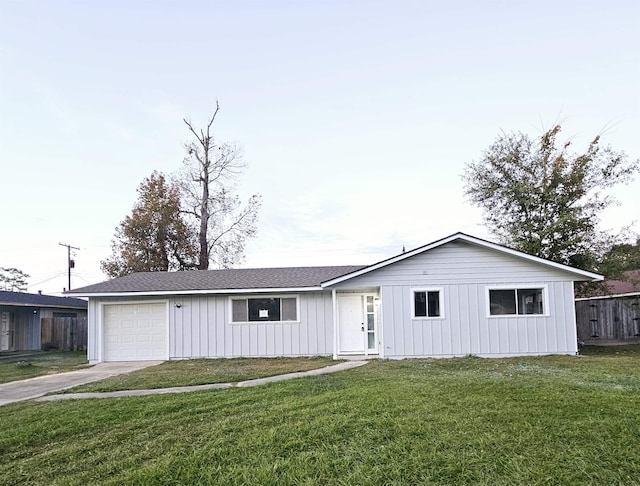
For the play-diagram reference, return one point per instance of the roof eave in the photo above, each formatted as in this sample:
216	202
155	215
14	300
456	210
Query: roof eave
149	293
46	306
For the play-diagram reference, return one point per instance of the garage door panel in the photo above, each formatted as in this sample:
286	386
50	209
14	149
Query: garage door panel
135	332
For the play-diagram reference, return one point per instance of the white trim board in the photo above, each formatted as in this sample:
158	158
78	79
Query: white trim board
613	296
201	292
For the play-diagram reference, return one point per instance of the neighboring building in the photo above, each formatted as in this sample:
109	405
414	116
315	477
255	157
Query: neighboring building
20	315
457	296
613	316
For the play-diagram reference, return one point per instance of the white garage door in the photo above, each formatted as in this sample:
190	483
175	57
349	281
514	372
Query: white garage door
135	332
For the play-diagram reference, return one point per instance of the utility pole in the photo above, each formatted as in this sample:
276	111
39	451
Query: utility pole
71	264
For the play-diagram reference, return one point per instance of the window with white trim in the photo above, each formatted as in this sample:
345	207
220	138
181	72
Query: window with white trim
516	301
426	303
260	309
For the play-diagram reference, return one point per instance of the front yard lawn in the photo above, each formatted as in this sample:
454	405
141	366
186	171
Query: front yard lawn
203	371
21	367
545	420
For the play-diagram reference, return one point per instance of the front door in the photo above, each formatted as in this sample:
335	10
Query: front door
4	331
357	324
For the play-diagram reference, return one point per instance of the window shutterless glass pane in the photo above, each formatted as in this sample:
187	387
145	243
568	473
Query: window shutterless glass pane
370	322
369	303
264	309
239	310
371	341
289	309
502	302
420	304
530	301
433	304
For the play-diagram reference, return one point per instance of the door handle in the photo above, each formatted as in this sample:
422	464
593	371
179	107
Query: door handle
362	327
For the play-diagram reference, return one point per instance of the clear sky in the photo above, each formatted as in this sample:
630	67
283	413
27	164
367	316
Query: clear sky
356	117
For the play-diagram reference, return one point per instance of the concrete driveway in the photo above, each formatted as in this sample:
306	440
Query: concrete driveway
16	391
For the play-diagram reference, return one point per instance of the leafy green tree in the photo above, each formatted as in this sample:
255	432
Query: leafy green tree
539	198
223	223
614	264
13	280
155	237
622	257
629	255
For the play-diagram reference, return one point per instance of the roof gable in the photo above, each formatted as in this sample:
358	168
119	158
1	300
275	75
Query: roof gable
579	275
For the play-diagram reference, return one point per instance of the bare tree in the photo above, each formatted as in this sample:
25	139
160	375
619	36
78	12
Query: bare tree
208	181
13	280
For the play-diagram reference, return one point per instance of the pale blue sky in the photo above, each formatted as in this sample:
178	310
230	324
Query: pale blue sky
356	117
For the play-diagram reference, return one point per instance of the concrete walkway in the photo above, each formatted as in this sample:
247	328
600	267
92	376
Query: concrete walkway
16	391
214	386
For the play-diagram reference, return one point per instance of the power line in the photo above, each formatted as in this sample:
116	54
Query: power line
61	274
84	279
47	274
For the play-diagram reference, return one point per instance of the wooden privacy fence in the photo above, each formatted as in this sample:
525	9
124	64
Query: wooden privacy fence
608	319
63	333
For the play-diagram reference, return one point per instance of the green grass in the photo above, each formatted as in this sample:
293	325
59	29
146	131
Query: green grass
203	371
544	420
613	351
21	367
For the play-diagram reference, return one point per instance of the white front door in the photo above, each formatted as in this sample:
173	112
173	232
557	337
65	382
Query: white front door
4	331
357	330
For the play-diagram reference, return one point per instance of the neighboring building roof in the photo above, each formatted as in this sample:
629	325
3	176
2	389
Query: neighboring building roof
581	274
24	299
628	286
210	281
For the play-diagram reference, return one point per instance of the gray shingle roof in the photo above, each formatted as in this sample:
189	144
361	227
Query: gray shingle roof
39	300
229	279
630	283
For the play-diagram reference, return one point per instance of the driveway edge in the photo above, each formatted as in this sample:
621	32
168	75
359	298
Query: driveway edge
214	386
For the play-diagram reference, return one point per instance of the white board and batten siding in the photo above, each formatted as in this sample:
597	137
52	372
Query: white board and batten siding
202	327
464	272
199	326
